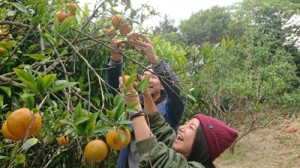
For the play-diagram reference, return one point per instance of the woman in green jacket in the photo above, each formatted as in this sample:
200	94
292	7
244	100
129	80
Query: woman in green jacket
197	143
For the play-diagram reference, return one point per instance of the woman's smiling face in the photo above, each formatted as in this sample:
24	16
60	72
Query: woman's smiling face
185	137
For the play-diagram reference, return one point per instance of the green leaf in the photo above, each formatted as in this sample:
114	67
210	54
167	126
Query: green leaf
4	157
78	111
61	84
25	95
47	39
124	122
27	79
102	129
39	84
37	56
118	99
110	113
6	89
119	110
1	100
66	24
90	128
56	26
86	11
19	6
30	101
130	80
44	82
7	44
20	159
48	80
143	85
29	143
191	97
81	120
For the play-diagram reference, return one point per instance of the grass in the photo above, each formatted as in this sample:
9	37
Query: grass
269	147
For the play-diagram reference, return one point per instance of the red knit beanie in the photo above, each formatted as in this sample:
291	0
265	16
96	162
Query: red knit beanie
219	136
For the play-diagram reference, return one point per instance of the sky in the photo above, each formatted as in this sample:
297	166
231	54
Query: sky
180	9
176	9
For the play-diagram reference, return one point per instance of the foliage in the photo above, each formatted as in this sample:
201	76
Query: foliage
56	67
165	26
205	26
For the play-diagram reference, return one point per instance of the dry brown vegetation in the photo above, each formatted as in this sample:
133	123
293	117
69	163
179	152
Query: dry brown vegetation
275	146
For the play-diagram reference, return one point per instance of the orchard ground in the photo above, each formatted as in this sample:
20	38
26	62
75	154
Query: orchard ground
276	145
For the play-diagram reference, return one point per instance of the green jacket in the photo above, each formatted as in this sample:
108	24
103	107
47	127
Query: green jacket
157	151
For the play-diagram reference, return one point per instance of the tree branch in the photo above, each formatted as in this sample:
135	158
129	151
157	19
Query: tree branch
2	22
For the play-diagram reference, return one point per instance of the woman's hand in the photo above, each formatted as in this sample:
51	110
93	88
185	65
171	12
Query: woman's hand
131	95
116	50
144	45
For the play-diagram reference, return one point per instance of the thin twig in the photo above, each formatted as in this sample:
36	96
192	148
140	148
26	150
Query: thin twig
2	22
100	80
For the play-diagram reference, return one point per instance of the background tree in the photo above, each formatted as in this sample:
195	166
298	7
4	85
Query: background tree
165	26
205	26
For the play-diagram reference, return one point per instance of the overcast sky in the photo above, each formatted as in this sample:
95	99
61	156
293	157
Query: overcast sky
180	9
175	9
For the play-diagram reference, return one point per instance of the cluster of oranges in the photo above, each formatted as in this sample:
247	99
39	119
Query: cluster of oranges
21	123
61	15
121	24
96	150
8	36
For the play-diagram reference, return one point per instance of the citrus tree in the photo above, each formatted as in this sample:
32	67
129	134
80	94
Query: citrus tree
52	56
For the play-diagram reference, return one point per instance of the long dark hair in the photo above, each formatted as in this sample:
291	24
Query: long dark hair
200	151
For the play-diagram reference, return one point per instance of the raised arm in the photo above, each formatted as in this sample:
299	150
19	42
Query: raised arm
115	65
176	98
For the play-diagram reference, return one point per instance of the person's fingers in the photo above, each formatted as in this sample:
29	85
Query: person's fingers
146	39
121	83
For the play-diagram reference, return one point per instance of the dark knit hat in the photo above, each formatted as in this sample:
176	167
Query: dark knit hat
219	136
147	68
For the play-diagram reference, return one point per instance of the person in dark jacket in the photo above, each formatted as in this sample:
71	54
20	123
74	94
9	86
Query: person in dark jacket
198	143
165	89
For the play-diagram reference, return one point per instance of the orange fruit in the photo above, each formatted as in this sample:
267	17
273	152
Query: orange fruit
110	33
20	120
72	6
125	28
63	140
61	15
2	50
9	36
114	140
116	20
1	32
95	151
69	13
7	134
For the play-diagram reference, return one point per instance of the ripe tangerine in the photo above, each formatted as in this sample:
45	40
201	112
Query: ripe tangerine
20	120
7	134
114	140
116	20
72	6
95	151
61	15
125	29
63	140
2	50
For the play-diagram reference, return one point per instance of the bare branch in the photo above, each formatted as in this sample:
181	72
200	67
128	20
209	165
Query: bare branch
2	22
